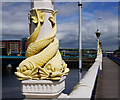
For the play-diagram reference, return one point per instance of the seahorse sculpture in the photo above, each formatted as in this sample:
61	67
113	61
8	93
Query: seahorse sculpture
43	59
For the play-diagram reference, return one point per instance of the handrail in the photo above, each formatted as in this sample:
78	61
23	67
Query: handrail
115	59
85	87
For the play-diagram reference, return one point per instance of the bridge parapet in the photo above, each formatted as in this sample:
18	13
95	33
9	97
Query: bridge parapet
85	88
99	59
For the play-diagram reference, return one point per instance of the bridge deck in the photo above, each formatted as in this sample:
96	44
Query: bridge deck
107	86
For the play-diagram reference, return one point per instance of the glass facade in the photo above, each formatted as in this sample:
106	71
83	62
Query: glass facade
2	45
14	47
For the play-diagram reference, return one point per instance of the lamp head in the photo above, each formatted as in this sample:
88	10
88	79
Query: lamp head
100	17
98	33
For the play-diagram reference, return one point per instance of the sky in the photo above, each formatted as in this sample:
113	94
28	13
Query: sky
15	23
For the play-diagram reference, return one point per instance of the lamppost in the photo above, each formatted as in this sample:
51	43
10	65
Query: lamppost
98	33
100	47
80	41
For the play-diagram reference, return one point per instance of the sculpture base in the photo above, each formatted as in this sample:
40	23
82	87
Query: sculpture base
43	88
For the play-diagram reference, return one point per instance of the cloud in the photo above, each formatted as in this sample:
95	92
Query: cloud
107	26
14	20
68	35
68	32
15	24
66	9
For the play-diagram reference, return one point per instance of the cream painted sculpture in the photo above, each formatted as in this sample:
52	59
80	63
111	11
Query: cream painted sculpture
43	59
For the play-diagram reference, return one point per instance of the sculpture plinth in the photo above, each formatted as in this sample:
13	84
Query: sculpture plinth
43	88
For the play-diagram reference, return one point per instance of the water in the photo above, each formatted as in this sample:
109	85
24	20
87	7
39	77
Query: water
12	87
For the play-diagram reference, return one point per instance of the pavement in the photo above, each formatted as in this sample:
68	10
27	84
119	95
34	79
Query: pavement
108	80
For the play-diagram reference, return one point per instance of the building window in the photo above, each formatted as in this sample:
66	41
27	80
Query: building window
2	45
14	47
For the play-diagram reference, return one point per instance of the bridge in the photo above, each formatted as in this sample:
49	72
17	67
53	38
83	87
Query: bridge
70	56
107	86
99	82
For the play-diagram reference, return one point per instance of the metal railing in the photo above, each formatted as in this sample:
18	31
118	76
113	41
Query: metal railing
115	59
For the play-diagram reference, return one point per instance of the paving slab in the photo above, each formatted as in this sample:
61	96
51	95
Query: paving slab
107	86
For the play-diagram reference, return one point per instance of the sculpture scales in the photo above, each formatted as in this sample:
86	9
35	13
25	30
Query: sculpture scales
43	59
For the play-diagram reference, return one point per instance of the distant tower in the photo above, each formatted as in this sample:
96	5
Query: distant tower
23	44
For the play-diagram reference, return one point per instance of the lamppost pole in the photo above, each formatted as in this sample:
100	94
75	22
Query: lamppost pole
98	37
99	46
80	41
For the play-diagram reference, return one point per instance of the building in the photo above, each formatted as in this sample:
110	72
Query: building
24	44
117	53
109	53
73	54
13	47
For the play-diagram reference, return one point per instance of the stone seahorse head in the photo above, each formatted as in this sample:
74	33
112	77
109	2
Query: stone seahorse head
25	69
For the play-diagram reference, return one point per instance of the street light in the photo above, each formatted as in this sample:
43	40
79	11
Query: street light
98	33
80	41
